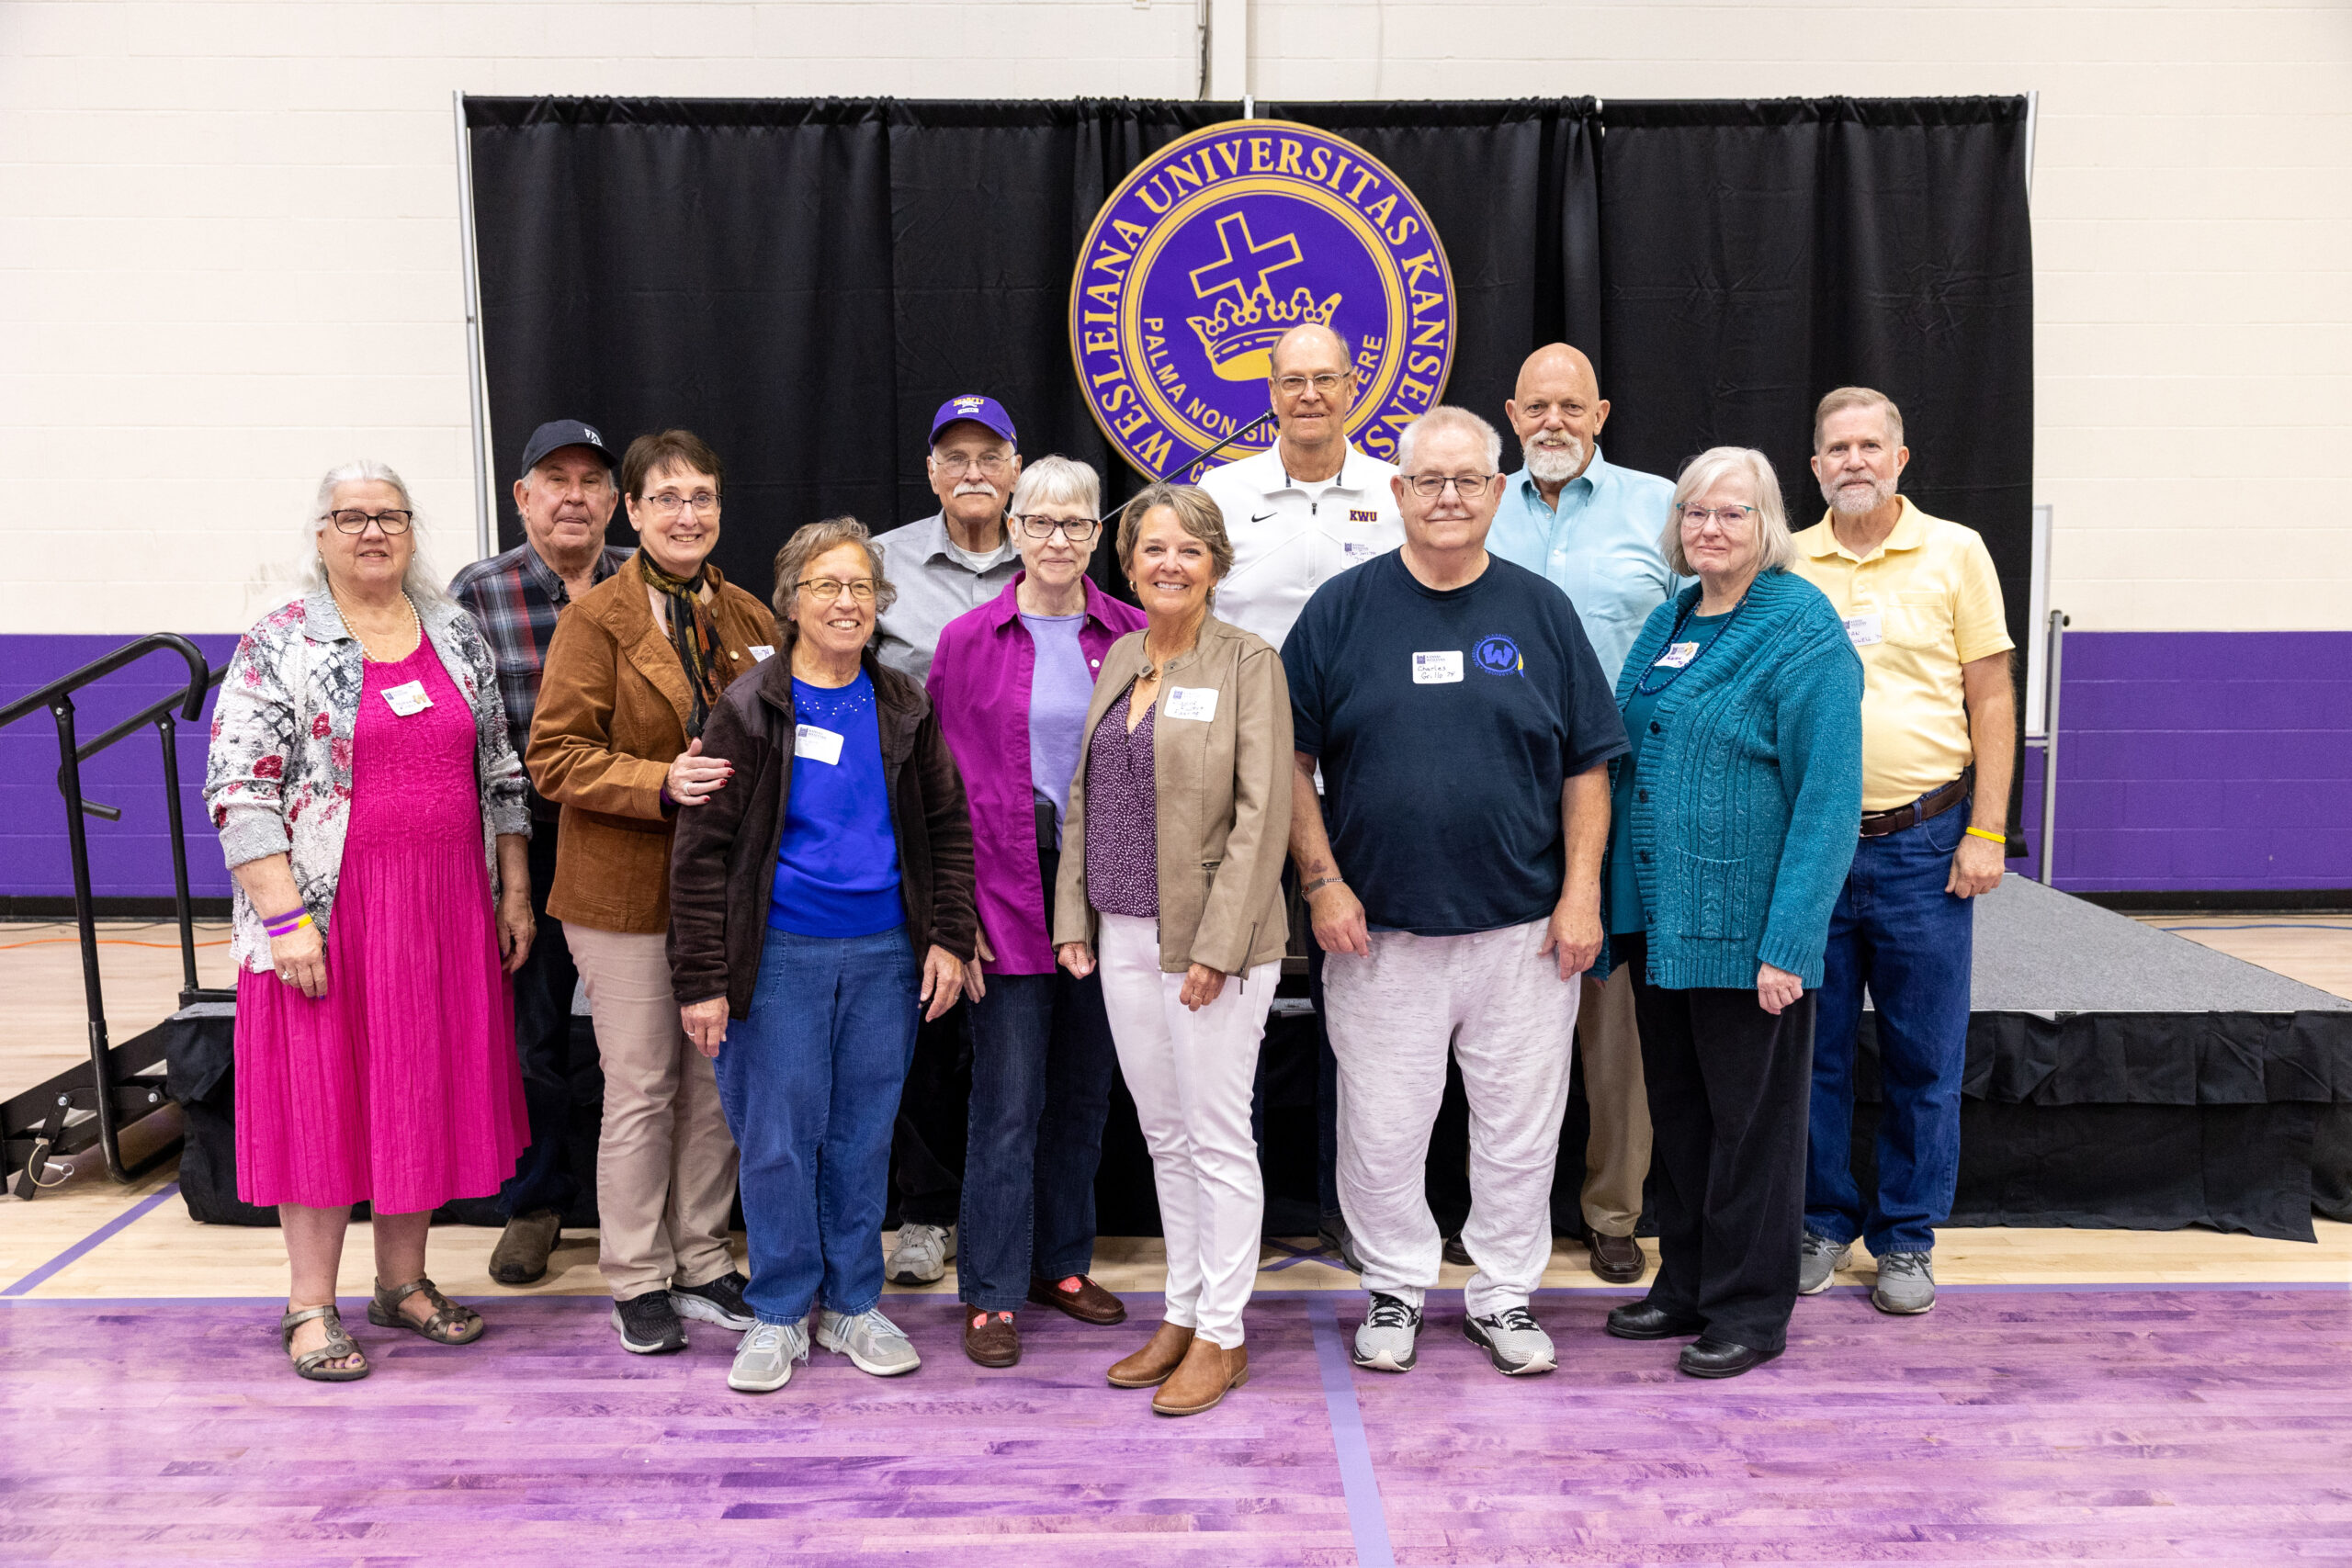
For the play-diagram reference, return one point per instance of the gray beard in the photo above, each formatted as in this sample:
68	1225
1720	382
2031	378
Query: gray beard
1556	465
1856	503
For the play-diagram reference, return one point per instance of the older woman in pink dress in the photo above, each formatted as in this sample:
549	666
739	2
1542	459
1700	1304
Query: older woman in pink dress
371	809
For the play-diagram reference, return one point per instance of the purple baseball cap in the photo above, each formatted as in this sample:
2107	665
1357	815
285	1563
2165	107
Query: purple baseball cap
980	411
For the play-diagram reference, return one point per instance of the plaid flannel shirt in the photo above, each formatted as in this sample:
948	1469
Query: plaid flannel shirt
515	598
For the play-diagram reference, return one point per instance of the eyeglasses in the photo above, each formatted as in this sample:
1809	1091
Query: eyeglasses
825	590
1729	516
356	521
1325	382
1076	530
667	504
1470	487
989	463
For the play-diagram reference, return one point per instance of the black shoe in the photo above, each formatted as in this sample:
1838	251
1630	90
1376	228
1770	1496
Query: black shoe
1616	1258
1639	1320
1333	1234
1713	1358
719	1300
1457	1254
649	1325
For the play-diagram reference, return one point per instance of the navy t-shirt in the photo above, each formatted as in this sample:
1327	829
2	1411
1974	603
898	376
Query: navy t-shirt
1446	723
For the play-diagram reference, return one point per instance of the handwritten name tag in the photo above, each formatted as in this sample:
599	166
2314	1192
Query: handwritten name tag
1192	701
1677	655
817	745
1863	631
762	652
1436	669
407	699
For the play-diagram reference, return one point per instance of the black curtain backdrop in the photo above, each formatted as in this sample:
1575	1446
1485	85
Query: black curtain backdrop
803	282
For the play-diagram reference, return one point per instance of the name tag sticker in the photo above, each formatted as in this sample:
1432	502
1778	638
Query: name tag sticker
1192	701
817	745
1357	550
407	699
762	652
1863	631
1436	669
1677	655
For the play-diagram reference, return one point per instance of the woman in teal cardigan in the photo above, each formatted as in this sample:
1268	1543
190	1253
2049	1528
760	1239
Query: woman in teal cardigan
1733	821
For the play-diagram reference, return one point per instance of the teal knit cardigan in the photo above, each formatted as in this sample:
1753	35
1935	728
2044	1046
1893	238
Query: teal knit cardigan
1749	800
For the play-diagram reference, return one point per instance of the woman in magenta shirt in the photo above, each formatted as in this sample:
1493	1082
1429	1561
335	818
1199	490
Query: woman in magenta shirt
1010	684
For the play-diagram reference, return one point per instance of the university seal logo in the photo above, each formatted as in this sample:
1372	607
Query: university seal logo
1225	239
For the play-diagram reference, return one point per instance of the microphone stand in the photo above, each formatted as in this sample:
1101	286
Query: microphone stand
1193	462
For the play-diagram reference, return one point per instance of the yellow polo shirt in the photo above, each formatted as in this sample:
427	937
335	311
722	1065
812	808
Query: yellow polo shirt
1925	603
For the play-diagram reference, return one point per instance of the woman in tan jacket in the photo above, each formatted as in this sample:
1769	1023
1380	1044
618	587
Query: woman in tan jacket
632	671
1172	866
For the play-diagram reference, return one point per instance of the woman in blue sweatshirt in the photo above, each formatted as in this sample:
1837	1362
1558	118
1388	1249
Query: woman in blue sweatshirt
1733	821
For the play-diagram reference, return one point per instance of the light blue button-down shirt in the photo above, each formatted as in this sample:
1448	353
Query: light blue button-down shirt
1600	549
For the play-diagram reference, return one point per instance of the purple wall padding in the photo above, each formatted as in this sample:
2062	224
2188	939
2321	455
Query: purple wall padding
2189	761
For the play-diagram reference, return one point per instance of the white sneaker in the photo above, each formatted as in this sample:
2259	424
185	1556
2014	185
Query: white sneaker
1385	1340
764	1359
1513	1340
872	1342
921	1255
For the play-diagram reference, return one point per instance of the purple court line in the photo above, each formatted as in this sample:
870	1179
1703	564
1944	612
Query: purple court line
1366	1521
97	1238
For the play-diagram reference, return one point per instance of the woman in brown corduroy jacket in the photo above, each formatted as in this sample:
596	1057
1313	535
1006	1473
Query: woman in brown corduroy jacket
632	671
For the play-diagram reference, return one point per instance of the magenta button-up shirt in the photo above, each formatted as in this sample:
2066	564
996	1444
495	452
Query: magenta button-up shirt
979	685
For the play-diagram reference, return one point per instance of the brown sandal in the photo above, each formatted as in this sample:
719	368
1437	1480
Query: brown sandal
449	1325
312	1364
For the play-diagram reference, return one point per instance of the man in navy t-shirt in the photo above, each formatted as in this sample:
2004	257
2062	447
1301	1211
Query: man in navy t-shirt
1463	729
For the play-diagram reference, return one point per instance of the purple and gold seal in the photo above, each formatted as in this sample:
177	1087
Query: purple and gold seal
1220	243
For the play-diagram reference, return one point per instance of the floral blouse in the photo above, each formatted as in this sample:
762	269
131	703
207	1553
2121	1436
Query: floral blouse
277	778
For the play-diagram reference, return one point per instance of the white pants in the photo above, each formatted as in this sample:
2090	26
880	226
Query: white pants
1509	1019
1191	1073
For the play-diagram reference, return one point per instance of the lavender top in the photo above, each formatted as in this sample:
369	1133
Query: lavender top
1122	816
1061	691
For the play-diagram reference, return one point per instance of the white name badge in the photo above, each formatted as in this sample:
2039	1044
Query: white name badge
1677	655
1863	631
1355	550
1436	669
1192	701
817	745
407	699
762	652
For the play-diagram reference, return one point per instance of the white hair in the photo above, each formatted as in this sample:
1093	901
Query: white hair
1056	481
1450	416
422	583
1775	547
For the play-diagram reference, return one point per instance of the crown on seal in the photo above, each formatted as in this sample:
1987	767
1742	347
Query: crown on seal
1239	337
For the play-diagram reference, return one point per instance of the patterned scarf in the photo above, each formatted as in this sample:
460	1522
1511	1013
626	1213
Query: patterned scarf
691	634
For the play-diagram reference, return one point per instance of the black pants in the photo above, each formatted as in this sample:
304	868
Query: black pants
1729	1090
554	1079
935	1111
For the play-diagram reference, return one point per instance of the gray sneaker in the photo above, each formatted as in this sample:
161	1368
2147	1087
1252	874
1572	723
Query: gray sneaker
1513	1340
763	1358
1818	1257
1907	1283
919	1255
872	1342
1385	1340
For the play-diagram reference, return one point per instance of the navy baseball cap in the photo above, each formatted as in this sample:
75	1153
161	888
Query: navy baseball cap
980	411
558	433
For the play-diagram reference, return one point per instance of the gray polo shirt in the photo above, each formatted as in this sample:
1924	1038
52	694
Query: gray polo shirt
937	581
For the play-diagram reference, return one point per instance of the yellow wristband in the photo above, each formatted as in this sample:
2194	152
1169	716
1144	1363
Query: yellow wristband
2000	838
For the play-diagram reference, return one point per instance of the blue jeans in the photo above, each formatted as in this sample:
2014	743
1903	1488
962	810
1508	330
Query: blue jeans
1042	1061
1897	932
810	1082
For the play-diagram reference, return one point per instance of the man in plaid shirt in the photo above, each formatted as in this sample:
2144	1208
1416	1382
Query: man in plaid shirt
565	497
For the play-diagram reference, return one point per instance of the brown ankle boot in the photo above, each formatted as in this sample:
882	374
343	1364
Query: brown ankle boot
1150	1367
1208	1371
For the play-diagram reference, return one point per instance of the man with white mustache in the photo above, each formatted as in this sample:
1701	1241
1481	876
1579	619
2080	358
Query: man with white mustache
1592	528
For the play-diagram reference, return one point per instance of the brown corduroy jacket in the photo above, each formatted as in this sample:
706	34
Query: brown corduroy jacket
612	715
724	871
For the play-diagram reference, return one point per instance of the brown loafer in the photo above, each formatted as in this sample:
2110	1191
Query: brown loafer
1150	1367
991	1339
1081	1297
1616	1258
521	1256
1201	1380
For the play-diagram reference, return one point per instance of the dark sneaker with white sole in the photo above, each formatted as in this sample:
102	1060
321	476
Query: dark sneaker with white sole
719	1300
1386	1340
1513	1340
649	1325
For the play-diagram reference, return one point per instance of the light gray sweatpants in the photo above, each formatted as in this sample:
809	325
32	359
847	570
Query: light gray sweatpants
1509	1019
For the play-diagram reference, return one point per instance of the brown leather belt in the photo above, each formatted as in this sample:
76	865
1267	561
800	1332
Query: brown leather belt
1878	824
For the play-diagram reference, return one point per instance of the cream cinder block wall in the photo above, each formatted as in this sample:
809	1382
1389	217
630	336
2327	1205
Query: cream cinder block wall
228	233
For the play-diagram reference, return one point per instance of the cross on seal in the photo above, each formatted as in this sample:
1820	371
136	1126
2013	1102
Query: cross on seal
1245	271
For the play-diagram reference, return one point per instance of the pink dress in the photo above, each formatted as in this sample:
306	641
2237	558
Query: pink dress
399	1085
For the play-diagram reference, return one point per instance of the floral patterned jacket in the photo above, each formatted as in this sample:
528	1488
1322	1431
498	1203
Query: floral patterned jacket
277	778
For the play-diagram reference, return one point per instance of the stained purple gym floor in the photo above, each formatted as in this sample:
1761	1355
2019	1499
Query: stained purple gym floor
2115	1424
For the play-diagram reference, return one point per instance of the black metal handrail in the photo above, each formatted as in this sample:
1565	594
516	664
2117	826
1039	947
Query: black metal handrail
57	698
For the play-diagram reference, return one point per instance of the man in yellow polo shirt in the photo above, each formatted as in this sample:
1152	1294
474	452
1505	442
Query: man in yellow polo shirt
1922	604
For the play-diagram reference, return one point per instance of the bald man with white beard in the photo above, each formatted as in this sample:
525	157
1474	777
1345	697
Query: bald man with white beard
1593	529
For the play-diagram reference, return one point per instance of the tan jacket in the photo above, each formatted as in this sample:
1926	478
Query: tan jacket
612	715
1224	802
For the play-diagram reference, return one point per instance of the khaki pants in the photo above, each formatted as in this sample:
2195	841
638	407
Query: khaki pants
666	1170
1617	1152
